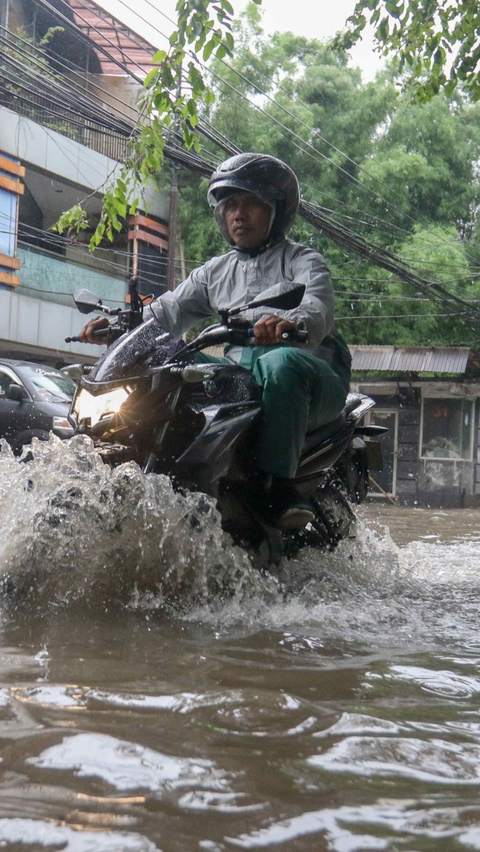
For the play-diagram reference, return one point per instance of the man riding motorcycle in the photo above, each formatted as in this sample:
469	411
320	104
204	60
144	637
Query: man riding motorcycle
255	198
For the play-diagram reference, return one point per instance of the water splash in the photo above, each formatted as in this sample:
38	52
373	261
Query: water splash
369	589
74	530
71	529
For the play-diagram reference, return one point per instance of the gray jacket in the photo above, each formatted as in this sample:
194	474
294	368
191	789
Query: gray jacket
236	278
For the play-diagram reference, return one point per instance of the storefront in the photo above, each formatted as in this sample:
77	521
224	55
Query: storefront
429	402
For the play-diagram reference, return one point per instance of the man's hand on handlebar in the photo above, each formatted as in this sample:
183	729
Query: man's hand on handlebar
86	334
269	329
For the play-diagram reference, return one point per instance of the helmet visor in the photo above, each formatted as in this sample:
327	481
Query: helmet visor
220	209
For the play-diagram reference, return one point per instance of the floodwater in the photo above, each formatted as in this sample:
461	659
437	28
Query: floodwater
156	693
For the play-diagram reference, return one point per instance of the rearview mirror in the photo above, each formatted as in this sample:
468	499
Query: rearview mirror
72	371
86	301
284	297
15	393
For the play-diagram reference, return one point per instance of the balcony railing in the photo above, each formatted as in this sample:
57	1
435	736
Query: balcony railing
84	131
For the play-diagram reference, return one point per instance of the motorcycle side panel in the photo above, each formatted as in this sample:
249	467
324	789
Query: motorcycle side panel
212	451
318	459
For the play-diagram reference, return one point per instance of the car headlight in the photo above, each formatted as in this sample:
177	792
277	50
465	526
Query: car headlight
98	407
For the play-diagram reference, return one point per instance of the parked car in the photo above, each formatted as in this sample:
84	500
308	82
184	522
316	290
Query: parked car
34	401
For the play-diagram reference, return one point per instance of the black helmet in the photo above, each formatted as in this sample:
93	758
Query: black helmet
268	178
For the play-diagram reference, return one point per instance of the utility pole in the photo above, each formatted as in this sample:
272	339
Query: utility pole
173	218
172	228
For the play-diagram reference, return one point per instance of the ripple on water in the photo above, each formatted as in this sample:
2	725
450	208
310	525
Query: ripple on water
48	834
295	703
126	766
434	760
346	829
438	682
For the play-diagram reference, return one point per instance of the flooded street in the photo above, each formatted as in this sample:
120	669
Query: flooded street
156	693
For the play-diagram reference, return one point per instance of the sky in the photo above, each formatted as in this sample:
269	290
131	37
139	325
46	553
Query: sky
311	18
320	19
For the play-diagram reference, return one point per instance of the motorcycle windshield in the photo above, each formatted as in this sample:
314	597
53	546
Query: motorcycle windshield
134	354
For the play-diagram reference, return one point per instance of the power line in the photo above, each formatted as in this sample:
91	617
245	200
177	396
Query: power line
79	248
314	132
259	90
233	149
86	39
399	316
380	256
333	229
70	91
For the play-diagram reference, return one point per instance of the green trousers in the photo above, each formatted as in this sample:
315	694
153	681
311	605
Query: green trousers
301	392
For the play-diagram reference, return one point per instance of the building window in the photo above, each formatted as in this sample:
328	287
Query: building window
447	428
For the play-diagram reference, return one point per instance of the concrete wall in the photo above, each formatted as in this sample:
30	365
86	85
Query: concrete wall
48	150
38	328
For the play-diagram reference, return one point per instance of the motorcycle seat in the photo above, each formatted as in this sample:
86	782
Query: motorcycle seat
312	439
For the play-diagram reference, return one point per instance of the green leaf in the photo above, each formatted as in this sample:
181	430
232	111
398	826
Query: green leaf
393	8
159	57
151	76
381	33
207	50
167	76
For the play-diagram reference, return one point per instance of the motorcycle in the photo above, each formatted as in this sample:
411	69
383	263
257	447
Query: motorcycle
148	400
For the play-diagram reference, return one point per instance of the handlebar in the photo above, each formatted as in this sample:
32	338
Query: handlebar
235	336
299	336
100	334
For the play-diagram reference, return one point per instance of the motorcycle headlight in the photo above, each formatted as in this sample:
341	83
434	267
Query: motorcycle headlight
96	408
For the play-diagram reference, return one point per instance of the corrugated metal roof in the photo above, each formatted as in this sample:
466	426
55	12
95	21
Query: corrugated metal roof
106	31
410	359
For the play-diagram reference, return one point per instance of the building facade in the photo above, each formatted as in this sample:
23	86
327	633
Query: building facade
428	398
67	109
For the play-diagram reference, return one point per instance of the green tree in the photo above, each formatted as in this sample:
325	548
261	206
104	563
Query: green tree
422	168
401	174
435	42
396	313
301	96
